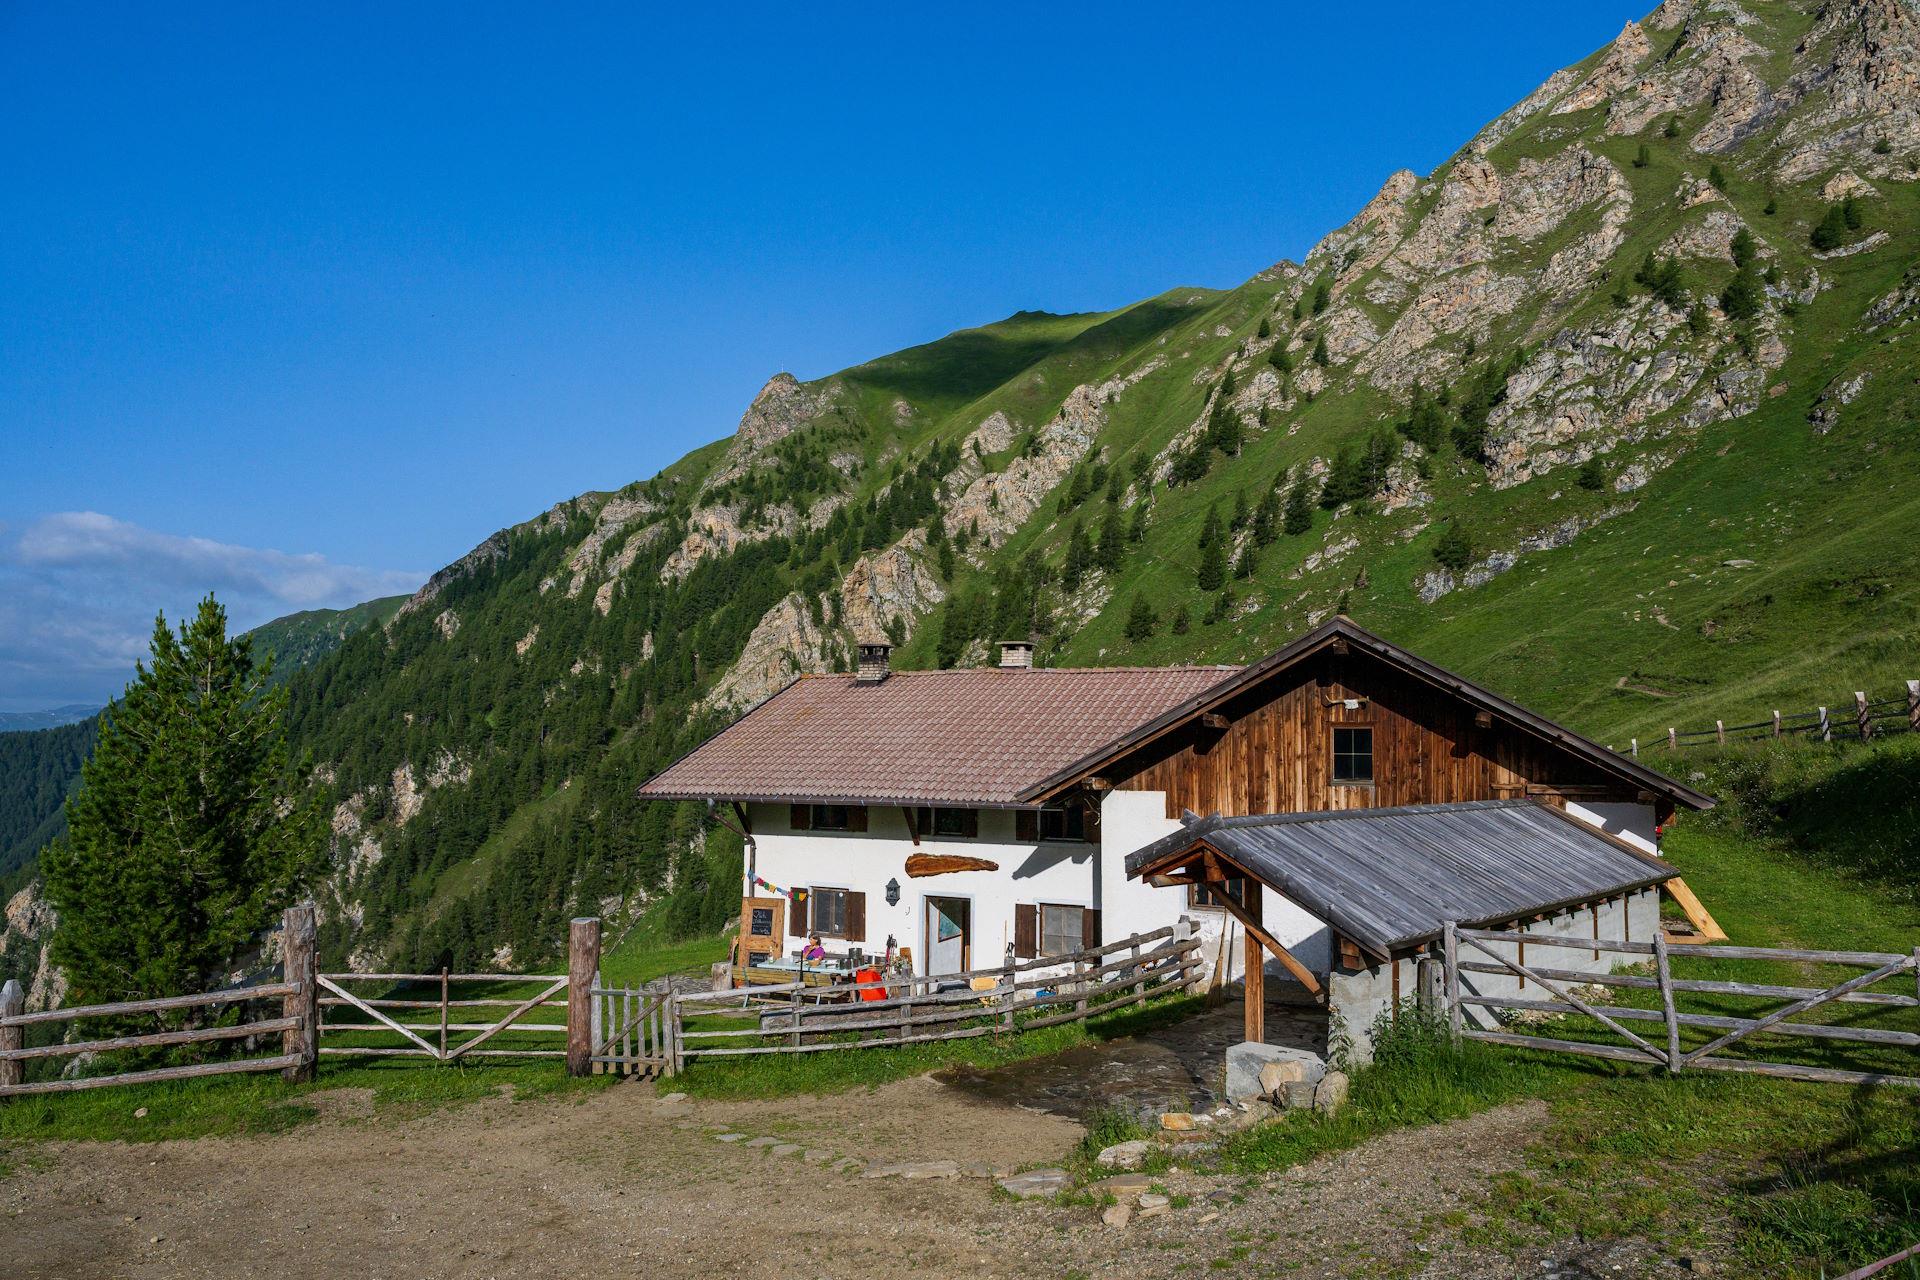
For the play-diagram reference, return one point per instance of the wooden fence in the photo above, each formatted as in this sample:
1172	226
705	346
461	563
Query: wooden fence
1022	996
1722	1030
293	1028
1863	720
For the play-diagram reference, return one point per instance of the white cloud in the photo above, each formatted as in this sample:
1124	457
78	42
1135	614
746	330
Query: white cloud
79	591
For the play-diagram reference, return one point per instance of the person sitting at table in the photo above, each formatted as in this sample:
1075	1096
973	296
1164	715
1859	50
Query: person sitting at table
814	952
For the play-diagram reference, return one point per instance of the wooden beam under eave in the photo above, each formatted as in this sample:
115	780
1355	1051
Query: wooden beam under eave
746	823
1697	913
1302	974
1214	720
913	824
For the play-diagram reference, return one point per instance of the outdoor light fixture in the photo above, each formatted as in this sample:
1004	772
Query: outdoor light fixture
893	893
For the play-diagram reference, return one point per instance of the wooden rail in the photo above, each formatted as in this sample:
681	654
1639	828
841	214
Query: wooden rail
1862	718
794	1017
292	1027
1563	999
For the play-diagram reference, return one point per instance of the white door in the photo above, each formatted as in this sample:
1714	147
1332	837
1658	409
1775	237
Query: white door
946	935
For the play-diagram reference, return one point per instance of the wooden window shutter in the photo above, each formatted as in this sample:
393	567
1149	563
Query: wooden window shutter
970	824
856	916
1026	931
797	914
856	817
800	817
1026	826
1090	927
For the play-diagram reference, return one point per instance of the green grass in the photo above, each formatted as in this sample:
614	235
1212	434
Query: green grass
644	955
223	1106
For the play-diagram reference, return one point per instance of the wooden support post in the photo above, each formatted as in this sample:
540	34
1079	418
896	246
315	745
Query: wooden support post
1697	913
1006	981
1776	722
1256	978
1720	732
1451	957
1665	972
302	1040
13	1002
1862	714
1913	705
1140	983
583	962
1633	747
443	1013
1673	738
793	998
1826	726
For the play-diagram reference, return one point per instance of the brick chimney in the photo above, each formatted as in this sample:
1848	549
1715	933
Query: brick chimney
873	663
1016	655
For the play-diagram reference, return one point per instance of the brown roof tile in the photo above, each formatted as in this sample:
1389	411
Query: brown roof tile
960	737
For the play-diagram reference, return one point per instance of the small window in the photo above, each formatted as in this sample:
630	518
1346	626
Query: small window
1060	929
1069	823
828	910
960	824
1352	755
835	817
1204	895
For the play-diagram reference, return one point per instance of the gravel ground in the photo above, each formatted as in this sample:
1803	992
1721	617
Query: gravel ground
621	1181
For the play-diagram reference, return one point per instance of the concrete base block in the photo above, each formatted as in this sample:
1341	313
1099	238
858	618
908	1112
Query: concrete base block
1246	1060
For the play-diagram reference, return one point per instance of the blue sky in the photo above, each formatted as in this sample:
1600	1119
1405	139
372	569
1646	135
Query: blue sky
302	302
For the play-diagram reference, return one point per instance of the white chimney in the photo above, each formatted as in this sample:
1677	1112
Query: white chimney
1016	655
873	663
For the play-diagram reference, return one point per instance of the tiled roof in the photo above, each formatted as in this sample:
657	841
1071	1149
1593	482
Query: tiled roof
958	737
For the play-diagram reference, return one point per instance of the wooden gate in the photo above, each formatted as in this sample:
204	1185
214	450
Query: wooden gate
436	1042
1667	1051
633	1032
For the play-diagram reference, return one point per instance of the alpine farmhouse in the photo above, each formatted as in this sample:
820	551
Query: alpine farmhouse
964	815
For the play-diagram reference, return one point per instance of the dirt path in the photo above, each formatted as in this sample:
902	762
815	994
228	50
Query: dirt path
619	1183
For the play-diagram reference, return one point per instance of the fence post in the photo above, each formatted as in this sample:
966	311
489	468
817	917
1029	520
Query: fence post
1007	977
1633	747
1913	705
1450	945
13	1002
1862	714
1665	971
443	1013
670	1032
1720	732
1826	726
1140	979
1776	722
583	961
302	1040
793	998
1673	738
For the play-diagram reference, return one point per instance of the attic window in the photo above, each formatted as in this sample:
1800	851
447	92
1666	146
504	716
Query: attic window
961	824
1352	755
829	817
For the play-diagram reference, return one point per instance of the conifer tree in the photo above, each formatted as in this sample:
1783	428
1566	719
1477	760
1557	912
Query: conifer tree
1243	563
1210	529
1454	550
1831	233
1266	516
1593	474
190	831
1112	551
1279	359
1141	621
1079	558
1241	511
1673	128
1320	356
1182	621
1742	247
1299	508
1213	565
1642	157
1265	330
1744	294
1137	530
1717	177
1322	295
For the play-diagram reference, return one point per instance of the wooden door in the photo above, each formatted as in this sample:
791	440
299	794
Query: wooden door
763	927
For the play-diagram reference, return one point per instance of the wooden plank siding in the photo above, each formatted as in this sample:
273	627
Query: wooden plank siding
1275	755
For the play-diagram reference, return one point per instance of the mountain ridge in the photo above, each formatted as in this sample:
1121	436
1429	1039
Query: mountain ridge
1608	412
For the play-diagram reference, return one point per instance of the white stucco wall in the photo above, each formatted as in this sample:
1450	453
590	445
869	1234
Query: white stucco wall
1633	823
1065	872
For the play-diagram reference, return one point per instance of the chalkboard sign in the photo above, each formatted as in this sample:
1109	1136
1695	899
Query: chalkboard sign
762	926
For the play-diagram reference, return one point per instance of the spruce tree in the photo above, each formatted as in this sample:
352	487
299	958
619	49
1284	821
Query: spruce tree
1141	621
1454	550
1213	565
1744	294
1673	128
1241	511
1831	233
1320	356
1593	474
1299	508
1265	330
1182	621
190	831
1266	516
1210	529
1079	558
1137	530
1742	247
1643	157
1279	359
1322	295
1717	177
1243	563
1112	551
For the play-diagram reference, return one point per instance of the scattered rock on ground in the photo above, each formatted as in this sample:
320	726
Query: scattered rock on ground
1035	1182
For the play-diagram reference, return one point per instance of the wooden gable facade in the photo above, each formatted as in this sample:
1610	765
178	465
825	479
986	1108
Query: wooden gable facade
1269	746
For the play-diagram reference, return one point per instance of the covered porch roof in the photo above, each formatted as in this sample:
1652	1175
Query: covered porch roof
1390	879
